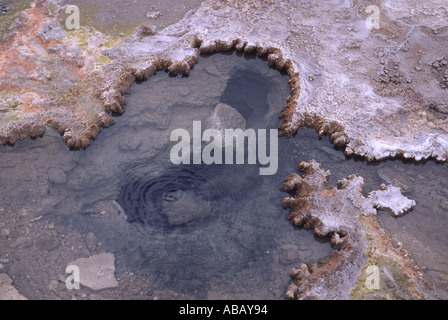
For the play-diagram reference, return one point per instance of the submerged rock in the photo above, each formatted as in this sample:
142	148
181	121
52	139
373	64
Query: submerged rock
181	207
225	117
51	30
7	290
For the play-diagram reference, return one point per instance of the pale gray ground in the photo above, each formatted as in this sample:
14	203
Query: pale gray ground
244	251
43	178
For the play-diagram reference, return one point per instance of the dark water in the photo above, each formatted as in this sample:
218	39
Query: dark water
206	231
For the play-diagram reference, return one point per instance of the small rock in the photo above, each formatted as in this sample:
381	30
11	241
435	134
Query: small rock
306	255
6	232
391	199
130	145
391	176
47	244
147	30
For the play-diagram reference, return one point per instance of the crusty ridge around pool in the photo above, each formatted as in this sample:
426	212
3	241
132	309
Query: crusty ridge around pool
346	81
349	219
